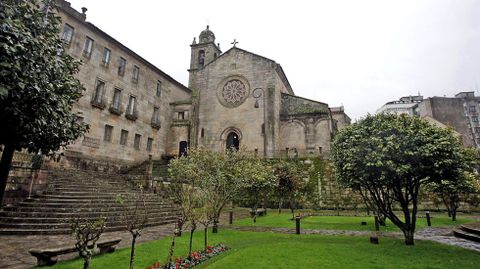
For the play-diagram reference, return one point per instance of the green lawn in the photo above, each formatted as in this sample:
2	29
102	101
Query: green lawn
351	223
269	250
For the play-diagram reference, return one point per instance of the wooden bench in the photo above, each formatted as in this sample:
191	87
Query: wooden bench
48	256
260	212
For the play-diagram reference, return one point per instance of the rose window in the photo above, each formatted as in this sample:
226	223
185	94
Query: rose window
234	92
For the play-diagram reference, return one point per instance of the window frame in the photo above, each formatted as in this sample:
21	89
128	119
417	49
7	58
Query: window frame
70	37
107	133
88	47
122	66
123	137
106	60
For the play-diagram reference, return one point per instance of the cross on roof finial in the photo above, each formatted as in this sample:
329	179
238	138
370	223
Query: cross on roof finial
234	43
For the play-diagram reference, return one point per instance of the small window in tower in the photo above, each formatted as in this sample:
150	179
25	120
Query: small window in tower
201	58
202	133
181	115
215	55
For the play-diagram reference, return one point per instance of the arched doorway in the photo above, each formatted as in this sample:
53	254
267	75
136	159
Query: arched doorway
182	148
233	141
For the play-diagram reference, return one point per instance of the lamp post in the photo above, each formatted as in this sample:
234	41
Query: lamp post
257	93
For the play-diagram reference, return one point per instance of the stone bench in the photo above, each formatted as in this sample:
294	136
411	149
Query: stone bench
260	212
48	256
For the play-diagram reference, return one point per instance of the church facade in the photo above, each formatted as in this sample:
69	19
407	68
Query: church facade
234	99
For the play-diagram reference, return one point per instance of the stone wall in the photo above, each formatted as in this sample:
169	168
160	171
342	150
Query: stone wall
144	89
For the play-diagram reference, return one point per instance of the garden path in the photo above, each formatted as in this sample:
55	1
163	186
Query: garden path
14	248
438	234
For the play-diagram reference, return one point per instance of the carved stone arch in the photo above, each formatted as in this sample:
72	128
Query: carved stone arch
224	134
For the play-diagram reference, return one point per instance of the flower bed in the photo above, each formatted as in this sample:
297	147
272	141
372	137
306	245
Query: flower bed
196	258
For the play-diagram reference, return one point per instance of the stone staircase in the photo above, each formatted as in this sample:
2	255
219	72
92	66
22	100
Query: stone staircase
469	231
81	194
159	168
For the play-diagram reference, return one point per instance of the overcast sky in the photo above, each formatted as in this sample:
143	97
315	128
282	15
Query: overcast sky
359	54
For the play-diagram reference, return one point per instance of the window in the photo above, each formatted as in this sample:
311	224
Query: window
87	47
67	34
263	128
106	56
149	144
477	130
117	93
472	109
136	142
475	119
136	73
181	115
159	88
98	94
123	137
132	105
107	136
122	63
202	133
201	58
155	116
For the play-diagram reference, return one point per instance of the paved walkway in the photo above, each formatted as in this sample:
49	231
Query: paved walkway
14	248
442	234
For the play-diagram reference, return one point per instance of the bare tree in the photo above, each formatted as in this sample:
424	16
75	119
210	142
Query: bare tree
87	232
134	218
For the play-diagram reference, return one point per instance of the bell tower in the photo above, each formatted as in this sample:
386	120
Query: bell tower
204	51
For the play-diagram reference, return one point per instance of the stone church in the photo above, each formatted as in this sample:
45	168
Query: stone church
234	99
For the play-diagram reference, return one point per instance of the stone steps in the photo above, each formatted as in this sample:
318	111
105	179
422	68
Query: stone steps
51	231
70	214
468	231
82	194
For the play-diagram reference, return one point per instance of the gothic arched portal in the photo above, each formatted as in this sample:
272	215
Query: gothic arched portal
233	141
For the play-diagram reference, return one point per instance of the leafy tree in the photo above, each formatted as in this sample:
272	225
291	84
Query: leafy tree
291	183
218	173
256	183
388	158
37	83
452	191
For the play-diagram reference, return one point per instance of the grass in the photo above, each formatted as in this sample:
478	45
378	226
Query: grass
351	223
269	250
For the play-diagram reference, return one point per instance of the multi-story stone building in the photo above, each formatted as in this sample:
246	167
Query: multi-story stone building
460	113
127	99
234	99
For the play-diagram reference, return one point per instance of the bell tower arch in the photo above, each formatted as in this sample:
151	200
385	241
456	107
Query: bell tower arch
204	51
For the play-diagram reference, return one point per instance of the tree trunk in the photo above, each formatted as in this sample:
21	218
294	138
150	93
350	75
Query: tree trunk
454	215
5	163
280	206
170	254
215	225
191	241
86	262
132	251
205	239
254	210
408	237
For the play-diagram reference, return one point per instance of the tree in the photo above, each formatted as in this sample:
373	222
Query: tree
256	183
452	190
292	182
37	83
134	218
217	173
388	158
87	232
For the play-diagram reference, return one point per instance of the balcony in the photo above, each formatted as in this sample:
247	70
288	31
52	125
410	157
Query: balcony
131	115
116	109
155	124
100	104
